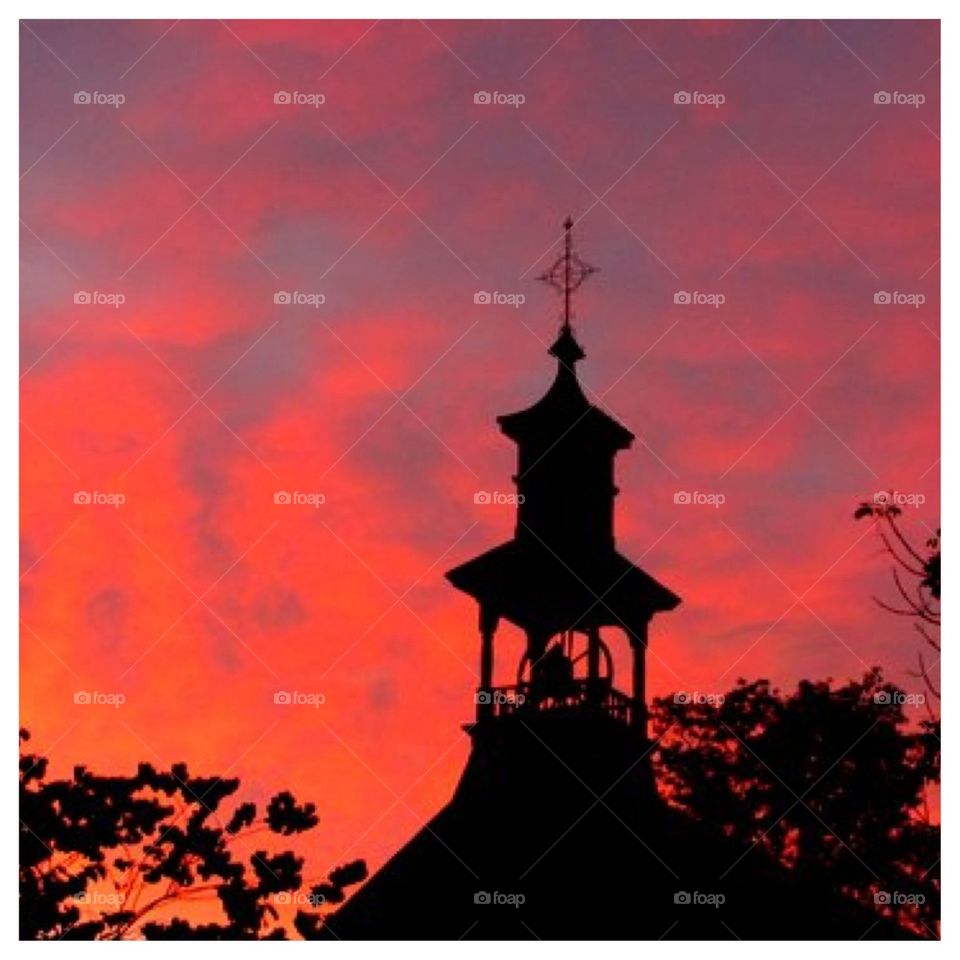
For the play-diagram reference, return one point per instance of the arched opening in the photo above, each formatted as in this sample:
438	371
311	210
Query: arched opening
570	651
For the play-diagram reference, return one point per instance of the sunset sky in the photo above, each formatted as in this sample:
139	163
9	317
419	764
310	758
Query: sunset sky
182	199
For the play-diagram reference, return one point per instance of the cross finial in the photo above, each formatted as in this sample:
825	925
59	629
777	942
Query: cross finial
567	273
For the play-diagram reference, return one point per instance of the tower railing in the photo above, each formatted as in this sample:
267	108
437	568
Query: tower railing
579	696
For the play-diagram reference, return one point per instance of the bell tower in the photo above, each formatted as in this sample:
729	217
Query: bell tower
561	579
556	828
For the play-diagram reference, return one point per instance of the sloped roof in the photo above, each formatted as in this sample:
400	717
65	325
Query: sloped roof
564	405
533	847
528	584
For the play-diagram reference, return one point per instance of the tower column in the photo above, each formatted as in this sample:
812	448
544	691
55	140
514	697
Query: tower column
593	664
537	640
638	644
488	626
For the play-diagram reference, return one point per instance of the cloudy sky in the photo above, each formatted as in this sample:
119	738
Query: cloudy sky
168	192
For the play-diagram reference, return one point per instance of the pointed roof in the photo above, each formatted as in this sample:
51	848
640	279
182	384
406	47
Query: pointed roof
564	406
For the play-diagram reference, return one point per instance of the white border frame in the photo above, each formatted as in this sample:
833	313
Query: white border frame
948	13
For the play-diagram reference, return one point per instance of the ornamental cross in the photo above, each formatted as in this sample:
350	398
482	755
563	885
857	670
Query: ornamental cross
567	272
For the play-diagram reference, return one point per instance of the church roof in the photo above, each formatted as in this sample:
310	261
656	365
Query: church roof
528	583
565	405
529	849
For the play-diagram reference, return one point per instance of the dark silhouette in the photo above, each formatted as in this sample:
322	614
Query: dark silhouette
920	601
766	769
560	579
556	829
99	857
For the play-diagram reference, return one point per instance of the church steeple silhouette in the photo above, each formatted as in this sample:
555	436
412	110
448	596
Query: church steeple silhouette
556	829
563	734
560	579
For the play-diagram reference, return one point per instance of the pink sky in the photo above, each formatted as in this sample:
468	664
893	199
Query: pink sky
798	199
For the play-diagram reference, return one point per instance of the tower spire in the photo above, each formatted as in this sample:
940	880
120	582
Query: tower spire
566	275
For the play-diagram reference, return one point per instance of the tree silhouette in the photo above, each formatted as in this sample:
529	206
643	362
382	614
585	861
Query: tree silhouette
920	597
826	780
100	856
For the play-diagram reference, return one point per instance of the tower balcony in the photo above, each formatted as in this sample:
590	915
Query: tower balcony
580	697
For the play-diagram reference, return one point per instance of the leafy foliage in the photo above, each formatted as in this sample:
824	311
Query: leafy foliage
100	856
828	780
